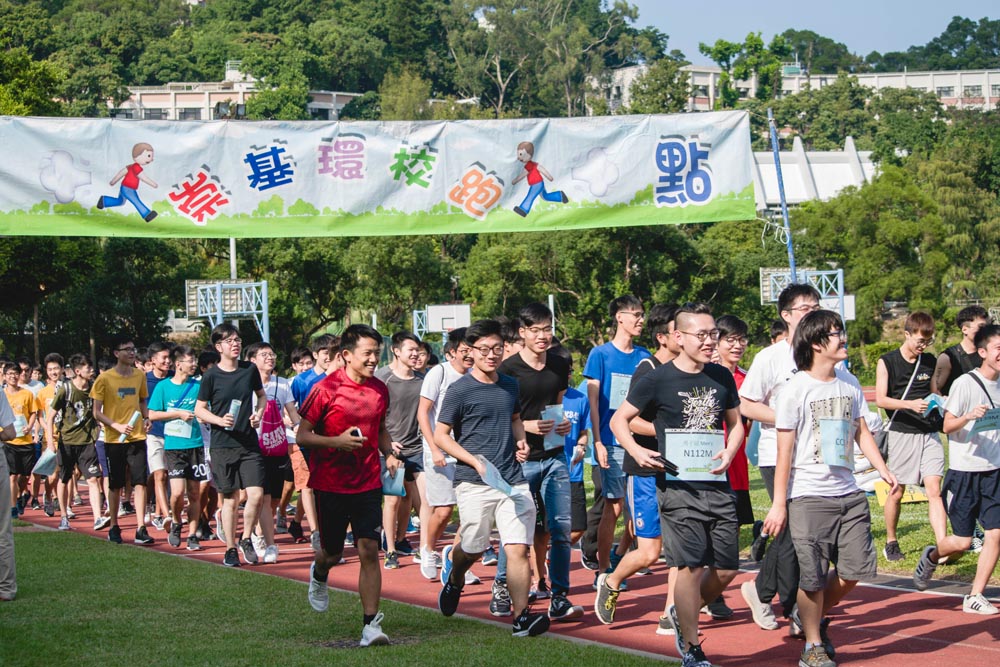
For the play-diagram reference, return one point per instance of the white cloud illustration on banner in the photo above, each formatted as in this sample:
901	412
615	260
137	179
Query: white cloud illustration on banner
598	171
59	175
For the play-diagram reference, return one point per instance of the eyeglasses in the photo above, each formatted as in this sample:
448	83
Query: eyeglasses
702	335
267	355
736	340
839	333
233	340
637	314
805	308
923	342
538	331
130	348
485	351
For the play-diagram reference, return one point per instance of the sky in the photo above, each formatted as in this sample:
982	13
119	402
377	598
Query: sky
863	25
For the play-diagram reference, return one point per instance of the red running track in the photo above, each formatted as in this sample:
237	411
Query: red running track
875	626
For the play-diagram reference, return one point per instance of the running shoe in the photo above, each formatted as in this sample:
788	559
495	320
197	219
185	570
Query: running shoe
815	656
500	604
471	578
892	552
695	657
280	524
142	536
978	604
560	609
448	598
542	591
100	523
490	556
924	570
193	543
295	530
64	524
158	522
392	561
762	613
977	539
606	601
427	567
718	609
404	547
795	628
319	594
218	526
259	545
679	642
232	558
271	553
446	563
372	634
249	553
530	625
174	536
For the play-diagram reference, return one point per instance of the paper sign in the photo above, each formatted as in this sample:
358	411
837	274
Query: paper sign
693	451
988	422
46	464
552	439
178	428
934	402
836	440
495	480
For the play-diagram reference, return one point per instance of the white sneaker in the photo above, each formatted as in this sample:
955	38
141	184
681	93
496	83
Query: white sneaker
471	578
271	553
372	634
319	595
977	604
427	567
259	545
219	531
762	613
314	540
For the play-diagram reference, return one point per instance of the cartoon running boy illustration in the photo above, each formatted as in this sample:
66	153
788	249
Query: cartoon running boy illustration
142	155
536	186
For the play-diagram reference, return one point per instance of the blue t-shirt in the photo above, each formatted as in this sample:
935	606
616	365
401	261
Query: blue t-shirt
303	383
151	383
576	408
613	369
479	414
171	396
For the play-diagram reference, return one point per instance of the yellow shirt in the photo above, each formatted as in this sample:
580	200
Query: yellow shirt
45	396
24	404
121	396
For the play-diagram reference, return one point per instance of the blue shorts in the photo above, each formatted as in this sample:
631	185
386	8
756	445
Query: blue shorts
971	496
613	477
643	506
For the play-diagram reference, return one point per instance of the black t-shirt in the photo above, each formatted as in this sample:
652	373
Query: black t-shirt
480	414
536	389
900	371
689	401
219	388
961	363
630	467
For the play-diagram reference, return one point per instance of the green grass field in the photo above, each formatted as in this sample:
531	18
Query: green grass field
82	601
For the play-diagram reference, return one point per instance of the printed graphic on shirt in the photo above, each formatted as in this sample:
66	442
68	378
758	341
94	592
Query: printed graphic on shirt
836	407
701	408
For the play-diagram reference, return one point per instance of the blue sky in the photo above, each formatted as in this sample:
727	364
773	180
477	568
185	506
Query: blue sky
863	25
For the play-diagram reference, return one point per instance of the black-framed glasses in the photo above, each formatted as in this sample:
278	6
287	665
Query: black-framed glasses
702	335
637	314
485	351
737	340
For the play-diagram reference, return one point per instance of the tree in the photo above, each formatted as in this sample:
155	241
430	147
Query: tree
764	62
819	54
663	88
723	54
964	44
28	87
405	96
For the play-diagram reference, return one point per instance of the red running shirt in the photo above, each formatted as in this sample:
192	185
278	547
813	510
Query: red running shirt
739	469
335	404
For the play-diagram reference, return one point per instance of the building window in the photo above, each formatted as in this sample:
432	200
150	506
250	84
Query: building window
995	90
972	91
945	91
154	114
125	114
189	114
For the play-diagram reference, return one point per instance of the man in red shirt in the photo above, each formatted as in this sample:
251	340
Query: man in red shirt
142	155
536	186
343	422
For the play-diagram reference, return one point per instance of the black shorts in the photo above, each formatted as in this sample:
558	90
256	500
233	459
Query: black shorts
701	527
577	506
20	459
83	457
186	464
971	496
236	468
362	511
744	508
277	471
413	465
130	455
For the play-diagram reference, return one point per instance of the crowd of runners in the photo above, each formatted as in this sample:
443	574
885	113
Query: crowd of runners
206	445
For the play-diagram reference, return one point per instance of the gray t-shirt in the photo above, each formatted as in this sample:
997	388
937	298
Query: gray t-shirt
401	419
480	415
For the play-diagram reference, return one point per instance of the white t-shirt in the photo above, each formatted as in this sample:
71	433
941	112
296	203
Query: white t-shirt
278	389
771	370
968	451
435	386
824	416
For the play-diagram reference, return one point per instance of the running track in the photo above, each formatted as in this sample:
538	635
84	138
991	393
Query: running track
881	625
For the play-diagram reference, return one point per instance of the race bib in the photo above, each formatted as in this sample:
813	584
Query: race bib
619	389
693	452
835	436
20	425
988	422
178	428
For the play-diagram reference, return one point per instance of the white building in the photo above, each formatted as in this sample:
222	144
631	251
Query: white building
214	100
976	89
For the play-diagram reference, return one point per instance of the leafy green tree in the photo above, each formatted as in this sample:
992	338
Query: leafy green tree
723	53
663	88
405	96
819	54
28	87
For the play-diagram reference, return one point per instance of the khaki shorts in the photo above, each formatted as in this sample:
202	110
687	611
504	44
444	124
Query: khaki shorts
155	459
837	530
300	469
480	507
439	481
913	457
